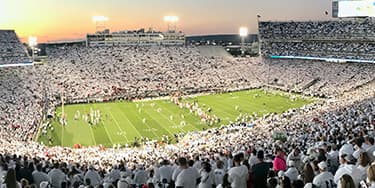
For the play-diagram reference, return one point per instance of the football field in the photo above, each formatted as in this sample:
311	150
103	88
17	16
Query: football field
121	122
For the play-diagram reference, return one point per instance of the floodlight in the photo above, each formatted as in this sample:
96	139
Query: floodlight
170	18
32	41
243	31
99	19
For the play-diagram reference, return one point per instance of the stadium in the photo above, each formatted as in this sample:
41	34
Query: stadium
294	107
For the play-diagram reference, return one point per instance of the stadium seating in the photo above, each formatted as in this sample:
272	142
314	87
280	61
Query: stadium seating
338	127
344	39
11	49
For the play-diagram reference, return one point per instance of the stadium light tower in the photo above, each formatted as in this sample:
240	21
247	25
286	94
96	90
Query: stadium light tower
243	34
33	41
172	23
99	22
259	36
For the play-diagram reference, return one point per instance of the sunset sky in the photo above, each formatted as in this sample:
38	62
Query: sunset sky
52	20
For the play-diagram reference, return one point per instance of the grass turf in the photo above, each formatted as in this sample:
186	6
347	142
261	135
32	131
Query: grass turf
122	121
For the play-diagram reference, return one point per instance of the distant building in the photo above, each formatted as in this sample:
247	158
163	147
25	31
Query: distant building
220	39
135	38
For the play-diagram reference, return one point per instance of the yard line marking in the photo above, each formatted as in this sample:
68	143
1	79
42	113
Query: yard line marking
62	135
118	126
151	117
106	131
145	123
196	126
92	134
109	136
90	129
221	107
170	120
131	124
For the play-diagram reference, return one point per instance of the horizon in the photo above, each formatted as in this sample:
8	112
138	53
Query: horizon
52	20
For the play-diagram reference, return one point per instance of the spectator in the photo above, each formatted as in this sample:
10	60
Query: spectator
39	176
10	180
206	176
260	171
238	174
188	177
292	172
56	176
308	174
347	181
279	164
347	167
371	176
324	179
219	172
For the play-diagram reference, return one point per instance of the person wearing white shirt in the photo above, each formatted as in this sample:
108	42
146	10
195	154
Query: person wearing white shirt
347	148
346	168
324	179
207	176
365	144
114	174
212	162
296	157
230	162
107	182
140	176
197	163
358	148
219	172
363	165
39	176
253	158
93	175
371	147
333	158
333	153
123	182
188	177
164	172
224	159
239	174
292	172
56	176
176	172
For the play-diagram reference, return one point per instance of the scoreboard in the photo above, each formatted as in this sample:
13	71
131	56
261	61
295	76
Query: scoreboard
353	8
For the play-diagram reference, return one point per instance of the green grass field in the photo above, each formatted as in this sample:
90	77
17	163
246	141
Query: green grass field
122	121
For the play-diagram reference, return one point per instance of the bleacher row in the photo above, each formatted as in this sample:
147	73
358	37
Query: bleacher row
12	50
343	39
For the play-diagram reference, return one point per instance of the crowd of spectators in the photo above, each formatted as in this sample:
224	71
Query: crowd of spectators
327	143
135	71
347	50
11	49
343	39
359	28
316	78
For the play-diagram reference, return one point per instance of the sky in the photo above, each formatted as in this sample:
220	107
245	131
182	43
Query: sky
53	20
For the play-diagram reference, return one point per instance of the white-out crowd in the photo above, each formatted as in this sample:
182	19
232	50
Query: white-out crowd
11	50
322	141
343	39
